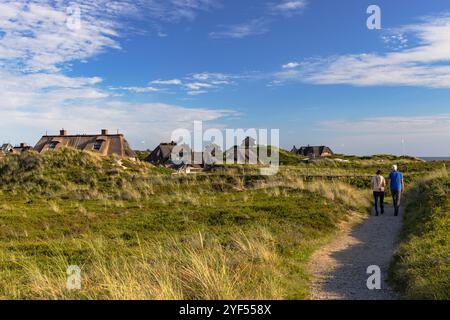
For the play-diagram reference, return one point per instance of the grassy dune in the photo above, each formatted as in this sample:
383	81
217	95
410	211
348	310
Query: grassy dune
137	232
421	268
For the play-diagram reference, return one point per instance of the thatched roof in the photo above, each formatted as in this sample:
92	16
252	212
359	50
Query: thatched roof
162	155
103	144
313	151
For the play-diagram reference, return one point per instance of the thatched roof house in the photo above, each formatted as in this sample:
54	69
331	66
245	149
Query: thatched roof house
164	155
7	148
246	153
22	148
104	144
313	151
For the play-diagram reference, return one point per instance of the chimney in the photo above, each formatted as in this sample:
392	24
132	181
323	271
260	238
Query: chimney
104	132
63	132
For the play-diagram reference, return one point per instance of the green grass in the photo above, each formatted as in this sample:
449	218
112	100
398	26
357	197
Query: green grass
421	267
139	232
35	235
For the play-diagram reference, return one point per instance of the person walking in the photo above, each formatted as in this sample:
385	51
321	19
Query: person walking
397	186
378	187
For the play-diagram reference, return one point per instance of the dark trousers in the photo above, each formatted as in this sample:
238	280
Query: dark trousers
379	196
397	198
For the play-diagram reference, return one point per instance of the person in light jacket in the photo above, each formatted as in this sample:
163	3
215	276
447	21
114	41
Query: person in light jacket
378	187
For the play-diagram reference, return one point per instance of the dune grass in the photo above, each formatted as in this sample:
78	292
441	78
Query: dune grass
421	267
137	232
249	245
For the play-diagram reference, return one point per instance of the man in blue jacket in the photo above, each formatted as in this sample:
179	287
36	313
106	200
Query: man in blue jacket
397	185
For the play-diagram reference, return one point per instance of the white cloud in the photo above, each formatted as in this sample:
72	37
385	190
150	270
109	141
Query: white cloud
260	25
243	30
34	90
167	82
199	83
413	135
288	7
435	124
426	64
140	89
37	47
152	122
395	41
291	65
176	10
202	82
37	37
196	92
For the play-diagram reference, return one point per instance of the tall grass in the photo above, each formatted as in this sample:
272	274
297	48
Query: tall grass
332	190
421	267
248	267
140	233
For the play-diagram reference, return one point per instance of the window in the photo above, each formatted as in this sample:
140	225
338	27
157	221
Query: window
53	145
97	145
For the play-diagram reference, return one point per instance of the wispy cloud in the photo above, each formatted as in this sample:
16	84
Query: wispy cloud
426	64
243	30
415	135
37	47
395	41
149	122
288	7
140	89
290	65
260	25
176	10
199	83
434	124
37	36
176	82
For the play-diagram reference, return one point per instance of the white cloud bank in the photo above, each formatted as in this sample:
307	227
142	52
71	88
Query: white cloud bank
414	135
37	46
426	64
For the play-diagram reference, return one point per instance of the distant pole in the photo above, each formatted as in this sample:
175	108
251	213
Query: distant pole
403	146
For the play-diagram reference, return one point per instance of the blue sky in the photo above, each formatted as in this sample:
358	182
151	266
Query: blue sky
310	68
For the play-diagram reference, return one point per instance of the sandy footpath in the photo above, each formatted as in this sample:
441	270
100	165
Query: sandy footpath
340	268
